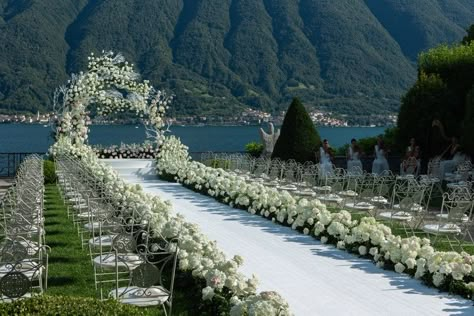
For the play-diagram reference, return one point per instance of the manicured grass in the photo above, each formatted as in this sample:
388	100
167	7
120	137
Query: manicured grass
70	269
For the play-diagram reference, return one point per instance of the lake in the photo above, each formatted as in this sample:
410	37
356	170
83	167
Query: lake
37	138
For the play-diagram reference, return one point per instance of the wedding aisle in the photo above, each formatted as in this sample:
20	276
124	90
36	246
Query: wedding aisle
314	278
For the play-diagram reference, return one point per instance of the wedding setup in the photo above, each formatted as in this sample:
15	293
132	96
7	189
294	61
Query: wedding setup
258	235
131	234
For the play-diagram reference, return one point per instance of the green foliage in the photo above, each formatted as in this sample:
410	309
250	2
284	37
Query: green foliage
427	100
67	305
468	126
254	149
49	172
221	56
454	65
341	151
367	145
440	93
220	163
299	139
389	138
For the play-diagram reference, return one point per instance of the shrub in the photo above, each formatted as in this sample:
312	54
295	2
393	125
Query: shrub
254	149
298	139
49	172
220	163
367	145
64	305
389	137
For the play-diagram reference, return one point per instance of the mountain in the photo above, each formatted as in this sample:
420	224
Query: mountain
218	56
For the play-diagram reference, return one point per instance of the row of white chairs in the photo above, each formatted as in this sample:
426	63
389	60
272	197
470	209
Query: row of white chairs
23	251
274	169
132	262
401	201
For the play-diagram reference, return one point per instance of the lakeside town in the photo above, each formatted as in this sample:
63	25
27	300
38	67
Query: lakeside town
246	117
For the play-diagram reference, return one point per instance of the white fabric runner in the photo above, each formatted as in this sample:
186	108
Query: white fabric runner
315	279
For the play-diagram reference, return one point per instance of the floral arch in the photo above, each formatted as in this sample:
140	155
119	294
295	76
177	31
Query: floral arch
110	84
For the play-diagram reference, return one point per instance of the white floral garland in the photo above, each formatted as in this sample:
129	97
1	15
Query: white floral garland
367	236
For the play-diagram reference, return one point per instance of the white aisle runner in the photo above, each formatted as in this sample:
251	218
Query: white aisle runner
315	279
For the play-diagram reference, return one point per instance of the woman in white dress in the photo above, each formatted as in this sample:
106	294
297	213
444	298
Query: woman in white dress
380	163
354	165
325	159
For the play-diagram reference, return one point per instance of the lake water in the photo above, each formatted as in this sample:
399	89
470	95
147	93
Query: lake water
37	138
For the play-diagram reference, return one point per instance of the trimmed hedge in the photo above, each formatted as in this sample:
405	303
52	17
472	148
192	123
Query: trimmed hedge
49	172
66	305
299	139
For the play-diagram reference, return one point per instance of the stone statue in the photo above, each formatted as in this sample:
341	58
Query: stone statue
269	140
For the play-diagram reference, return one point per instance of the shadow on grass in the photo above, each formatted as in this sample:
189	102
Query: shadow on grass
60	260
57	244
49	214
60	281
51	223
53	232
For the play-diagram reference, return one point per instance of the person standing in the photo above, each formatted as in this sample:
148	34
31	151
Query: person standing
325	159
354	165
380	163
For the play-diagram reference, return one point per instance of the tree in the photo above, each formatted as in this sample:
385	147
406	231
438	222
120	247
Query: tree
427	100
470	35
441	96
298	139
467	140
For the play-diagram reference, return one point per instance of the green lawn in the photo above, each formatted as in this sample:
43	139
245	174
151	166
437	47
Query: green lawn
70	269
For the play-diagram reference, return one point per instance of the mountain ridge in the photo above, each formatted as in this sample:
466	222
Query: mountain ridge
219	56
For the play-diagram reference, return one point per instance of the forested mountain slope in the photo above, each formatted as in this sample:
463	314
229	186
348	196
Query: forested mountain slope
216	56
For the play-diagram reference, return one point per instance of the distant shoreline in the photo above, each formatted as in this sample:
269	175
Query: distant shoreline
199	125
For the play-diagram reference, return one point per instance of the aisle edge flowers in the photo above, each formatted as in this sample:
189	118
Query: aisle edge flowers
415	256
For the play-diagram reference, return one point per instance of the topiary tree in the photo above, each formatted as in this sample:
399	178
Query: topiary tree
298	138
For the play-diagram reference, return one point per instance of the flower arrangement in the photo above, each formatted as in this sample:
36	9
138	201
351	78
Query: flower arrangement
146	150
415	256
